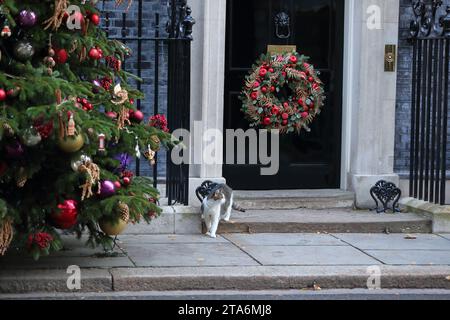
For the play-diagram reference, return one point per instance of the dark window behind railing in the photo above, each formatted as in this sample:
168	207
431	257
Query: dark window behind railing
430	38
159	32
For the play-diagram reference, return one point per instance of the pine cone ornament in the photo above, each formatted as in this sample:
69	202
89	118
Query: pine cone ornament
9	131
124	211
21	178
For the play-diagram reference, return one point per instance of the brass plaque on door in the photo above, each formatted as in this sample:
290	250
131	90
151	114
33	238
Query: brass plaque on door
390	56
275	49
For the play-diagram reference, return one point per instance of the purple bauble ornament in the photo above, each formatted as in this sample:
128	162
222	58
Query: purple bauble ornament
14	150
97	86
27	18
108	189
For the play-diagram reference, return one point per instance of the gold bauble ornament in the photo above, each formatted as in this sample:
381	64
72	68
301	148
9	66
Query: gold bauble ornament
71	144
113	229
119	226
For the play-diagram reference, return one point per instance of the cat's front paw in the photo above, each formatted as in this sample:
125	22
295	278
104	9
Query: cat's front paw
208	234
213	236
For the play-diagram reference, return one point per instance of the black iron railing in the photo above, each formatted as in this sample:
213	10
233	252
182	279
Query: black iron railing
176	44
430	38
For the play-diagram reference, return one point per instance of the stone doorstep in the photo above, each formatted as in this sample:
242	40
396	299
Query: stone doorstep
295	199
225	278
440	215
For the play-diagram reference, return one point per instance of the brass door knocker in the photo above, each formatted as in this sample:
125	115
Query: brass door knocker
283	25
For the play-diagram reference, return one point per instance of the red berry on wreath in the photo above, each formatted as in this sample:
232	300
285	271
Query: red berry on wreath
284	74
285	116
256	84
262	72
293	59
271	70
2	95
267	121
300	101
272	89
285	122
264	89
275	110
95	19
305	114
254	95
311	79
286	105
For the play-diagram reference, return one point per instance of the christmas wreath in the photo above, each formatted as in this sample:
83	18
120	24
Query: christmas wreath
283	92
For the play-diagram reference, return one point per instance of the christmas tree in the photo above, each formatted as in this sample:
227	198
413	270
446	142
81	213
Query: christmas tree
68	128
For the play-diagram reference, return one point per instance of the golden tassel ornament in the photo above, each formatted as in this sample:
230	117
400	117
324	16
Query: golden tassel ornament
6	235
119	2
58	16
21	179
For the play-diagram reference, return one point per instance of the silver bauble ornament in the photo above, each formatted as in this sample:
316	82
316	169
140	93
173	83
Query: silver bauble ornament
78	161
31	137
24	50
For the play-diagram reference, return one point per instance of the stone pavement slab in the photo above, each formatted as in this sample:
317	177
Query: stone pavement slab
170	238
396	241
187	254
411	257
309	255
445	235
290	239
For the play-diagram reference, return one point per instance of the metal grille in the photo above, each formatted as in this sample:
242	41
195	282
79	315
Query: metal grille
175	48
430	39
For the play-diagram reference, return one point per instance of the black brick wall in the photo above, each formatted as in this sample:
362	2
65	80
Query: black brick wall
150	8
403	119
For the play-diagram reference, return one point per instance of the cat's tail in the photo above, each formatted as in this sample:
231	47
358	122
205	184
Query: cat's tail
238	208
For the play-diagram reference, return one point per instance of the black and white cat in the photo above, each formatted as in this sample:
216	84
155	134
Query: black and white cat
217	203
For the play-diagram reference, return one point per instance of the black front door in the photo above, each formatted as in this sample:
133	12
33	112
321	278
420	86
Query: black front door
310	160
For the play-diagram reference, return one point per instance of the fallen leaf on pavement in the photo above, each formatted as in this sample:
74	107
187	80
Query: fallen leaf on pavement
410	237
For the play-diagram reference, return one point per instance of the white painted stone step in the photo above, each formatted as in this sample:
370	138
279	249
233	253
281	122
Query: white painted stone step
295	199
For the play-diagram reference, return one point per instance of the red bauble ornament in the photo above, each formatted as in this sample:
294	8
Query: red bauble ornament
95	19
67	216
254	95
137	116
126	181
61	56
111	114
117	184
2	95
94	54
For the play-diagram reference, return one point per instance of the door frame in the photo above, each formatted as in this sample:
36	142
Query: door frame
208	61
